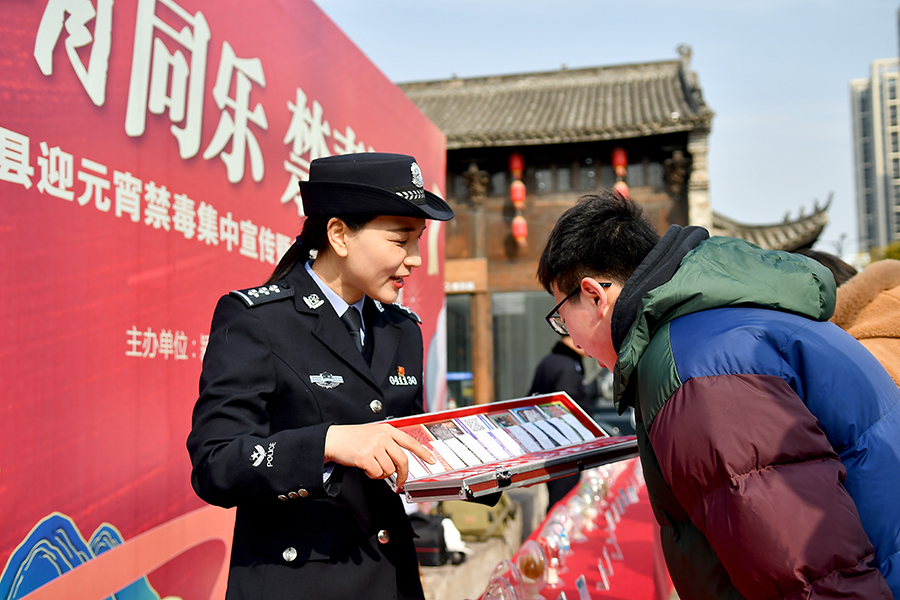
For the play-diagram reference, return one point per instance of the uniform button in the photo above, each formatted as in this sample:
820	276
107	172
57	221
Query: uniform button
383	536
302	493
289	554
293	495
282	497
376	406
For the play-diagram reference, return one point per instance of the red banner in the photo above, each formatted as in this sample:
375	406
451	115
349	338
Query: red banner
149	159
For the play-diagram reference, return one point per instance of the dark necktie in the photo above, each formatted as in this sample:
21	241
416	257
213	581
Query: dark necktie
353	321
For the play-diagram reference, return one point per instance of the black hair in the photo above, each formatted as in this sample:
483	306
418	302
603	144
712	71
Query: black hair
313	237
604	234
841	270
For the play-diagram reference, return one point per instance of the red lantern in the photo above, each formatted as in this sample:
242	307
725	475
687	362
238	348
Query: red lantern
516	165
520	230
517	193
619	157
622	188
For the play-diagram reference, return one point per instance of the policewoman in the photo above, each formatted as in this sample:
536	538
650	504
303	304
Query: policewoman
296	376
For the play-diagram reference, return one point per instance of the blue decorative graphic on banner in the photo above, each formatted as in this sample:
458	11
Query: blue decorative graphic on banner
56	546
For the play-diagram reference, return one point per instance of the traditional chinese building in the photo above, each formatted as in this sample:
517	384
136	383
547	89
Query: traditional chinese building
523	148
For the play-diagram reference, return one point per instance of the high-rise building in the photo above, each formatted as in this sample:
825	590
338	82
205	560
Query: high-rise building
876	154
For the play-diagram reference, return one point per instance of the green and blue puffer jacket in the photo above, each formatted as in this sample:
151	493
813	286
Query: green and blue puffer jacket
770	438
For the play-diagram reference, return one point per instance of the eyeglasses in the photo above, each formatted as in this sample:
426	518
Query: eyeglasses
557	322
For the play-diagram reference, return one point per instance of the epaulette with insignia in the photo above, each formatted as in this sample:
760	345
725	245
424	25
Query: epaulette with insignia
260	295
404	310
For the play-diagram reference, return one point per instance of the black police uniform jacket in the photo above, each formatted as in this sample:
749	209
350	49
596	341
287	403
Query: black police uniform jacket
275	376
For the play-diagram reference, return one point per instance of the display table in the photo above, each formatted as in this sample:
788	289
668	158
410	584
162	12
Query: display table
640	574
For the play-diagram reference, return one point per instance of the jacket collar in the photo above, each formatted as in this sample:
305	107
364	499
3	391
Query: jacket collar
657	268
330	330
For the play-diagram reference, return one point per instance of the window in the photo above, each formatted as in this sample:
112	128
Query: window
459	350
867	177
635	177
521	340
893	113
563	179
864	125
870	203
892	89
864	101
498	184
895	145
895	164
587	176
460	189
607	176
896	215
867	151
655	174
543	181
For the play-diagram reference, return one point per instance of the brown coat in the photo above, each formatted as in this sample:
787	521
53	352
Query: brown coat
868	308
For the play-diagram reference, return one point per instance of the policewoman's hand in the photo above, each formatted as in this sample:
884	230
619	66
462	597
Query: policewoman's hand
376	448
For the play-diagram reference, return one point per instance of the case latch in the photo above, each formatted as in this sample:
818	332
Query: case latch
503	477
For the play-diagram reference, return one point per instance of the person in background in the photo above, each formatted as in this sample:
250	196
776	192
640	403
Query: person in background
868	306
297	376
769	437
841	270
563	371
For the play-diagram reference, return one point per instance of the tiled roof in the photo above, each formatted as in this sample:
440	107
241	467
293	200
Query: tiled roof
789	235
565	106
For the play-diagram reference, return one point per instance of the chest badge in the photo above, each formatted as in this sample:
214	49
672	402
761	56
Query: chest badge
401	378
326	380
313	301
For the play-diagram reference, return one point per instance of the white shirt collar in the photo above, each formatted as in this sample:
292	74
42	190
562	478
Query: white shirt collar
339	304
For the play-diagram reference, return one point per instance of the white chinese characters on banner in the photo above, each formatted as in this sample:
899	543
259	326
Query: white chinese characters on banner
56	172
128	195
183	216
166	343
163	80
249	232
80	13
228	231
94	185
236	129
155	203
307	134
208	224
168	75
156	213
15	158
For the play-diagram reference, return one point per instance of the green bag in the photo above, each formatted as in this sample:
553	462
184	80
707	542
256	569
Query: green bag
477	521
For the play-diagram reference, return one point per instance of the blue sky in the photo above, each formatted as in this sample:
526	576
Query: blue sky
776	74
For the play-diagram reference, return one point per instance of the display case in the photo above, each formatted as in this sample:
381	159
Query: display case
487	448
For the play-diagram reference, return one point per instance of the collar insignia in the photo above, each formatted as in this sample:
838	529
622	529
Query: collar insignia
326	380
313	301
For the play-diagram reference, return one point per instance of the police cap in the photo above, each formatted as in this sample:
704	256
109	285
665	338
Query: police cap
370	183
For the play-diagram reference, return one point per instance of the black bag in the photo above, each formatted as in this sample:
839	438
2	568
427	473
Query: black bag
430	546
